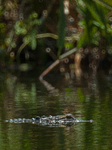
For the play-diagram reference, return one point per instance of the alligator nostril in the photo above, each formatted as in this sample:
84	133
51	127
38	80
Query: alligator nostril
91	120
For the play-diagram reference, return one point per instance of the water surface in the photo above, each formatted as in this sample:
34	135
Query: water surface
22	95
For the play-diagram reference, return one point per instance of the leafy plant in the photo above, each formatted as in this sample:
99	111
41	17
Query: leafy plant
28	29
94	22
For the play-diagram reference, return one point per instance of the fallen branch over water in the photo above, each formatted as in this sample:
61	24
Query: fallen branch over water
61	57
56	63
49	69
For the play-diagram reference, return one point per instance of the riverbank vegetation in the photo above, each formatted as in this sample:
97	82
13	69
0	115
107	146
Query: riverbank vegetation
73	32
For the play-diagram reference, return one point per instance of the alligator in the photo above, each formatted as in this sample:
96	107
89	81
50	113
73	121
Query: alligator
59	120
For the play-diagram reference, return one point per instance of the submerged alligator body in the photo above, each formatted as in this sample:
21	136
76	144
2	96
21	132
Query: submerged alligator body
59	120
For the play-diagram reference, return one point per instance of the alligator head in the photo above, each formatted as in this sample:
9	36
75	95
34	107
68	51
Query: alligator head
59	120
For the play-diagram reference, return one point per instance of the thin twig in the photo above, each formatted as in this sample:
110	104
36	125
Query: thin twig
51	53
20	49
68	53
45	35
54	36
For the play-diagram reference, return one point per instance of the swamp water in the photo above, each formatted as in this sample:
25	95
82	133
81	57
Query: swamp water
24	96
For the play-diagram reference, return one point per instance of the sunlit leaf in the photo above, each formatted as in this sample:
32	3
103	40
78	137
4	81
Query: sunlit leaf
33	39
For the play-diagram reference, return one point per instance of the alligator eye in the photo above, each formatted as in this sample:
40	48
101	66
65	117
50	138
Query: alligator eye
43	116
68	117
37	118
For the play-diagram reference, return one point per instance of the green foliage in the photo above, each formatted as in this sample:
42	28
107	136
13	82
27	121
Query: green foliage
61	32
2	27
28	29
20	28
68	45
94	23
106	3
109	2
33	39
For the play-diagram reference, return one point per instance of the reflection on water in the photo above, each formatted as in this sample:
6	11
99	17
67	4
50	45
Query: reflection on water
26	97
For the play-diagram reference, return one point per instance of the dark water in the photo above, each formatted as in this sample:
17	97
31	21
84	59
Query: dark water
22	95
